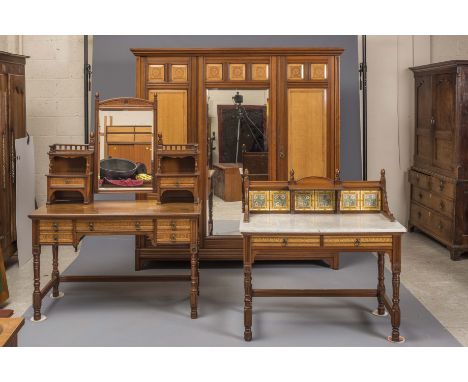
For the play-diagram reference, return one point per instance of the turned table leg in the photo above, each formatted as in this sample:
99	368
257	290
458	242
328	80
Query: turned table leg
194	281
37	299
55	272
396	269
248	302
381	284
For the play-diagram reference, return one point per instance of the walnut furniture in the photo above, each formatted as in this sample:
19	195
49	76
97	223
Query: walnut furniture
303	116
439	176
12	126
66	224
228	183
70	176
320	216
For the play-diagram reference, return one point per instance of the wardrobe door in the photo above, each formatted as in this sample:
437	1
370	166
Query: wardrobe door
126	151
424	121
143	154
444	120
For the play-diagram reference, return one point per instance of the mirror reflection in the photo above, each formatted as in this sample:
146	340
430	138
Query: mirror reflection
126	149
237	129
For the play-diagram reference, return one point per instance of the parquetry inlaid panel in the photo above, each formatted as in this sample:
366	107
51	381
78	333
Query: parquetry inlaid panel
179	73
214	72
156	73
318	71
237	72
295	71
259	72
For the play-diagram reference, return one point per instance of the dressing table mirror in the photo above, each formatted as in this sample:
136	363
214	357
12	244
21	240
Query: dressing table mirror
237	134
125	141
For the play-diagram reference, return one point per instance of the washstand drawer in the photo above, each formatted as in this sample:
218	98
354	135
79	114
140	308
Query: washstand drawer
55	225
383	241
177	182
173	224
56	238
115	226
173	236
285	241
69	181
420	180
432	200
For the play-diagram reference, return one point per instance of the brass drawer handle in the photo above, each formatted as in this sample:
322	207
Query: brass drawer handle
441	185
91	226
442	205
440	226
173	225
137	226
56	237
357	242
284	242
173	237
55	226
417	178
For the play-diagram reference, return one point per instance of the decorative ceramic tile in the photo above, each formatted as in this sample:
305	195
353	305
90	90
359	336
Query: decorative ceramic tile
259	72
318	71
279	200
214	72
304	201
325	200
370	200
259	200
179	73
295	71
350	200
237	72
156	73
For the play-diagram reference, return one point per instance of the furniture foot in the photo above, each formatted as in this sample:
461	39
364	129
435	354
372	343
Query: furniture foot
376	313
400	339
194	282
60	295
55	272
37	299
248	302
455	254
381	284
43	317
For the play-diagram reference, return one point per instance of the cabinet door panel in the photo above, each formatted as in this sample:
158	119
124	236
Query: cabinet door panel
172	115
307	132
143	155
423	140
121	151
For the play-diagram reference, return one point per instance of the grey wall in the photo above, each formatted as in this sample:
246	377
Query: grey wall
114	74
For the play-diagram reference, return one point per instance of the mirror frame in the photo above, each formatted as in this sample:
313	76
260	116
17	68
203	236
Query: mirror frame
122	103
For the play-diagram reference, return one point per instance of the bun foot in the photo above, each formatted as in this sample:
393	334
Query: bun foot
400	340
248	335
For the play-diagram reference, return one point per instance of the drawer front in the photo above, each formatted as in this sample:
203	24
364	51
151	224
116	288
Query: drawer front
384	241
59	182
56	238
443	187
120	137
434	201
286	241
435	222
420	180
111	226
147	138
173	224
168	237
178	182
120	129
55	225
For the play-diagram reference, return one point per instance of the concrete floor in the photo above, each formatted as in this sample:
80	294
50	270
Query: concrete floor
439	283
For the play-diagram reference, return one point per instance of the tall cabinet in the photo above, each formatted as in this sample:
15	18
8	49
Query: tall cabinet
12	126
303	118
439	176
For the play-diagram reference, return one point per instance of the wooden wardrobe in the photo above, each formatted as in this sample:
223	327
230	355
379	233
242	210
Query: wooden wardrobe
12	126
303	121
439	176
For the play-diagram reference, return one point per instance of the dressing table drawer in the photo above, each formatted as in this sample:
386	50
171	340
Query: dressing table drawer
56	238
182	236
285	241
383	241
177	182
111	226
68	181
55	225
173	224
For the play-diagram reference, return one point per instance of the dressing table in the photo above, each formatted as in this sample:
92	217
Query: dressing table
67	222
320	216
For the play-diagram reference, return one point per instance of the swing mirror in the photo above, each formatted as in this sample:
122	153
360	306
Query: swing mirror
237	134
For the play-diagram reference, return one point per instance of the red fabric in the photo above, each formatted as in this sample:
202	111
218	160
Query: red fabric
125	183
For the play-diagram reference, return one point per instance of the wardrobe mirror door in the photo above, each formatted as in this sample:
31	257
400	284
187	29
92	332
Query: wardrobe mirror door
126	150
237	134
